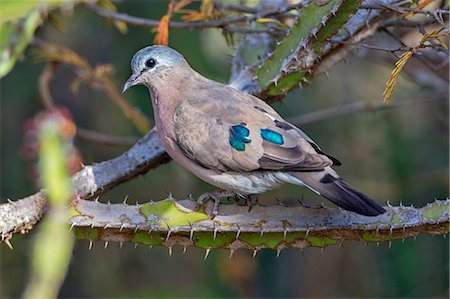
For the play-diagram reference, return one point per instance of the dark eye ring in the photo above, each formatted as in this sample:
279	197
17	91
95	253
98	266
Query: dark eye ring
150	63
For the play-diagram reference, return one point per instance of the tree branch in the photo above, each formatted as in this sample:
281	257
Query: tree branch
146	154
169	223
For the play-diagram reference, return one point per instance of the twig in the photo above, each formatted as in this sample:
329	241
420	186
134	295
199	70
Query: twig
43	85
403	10
136	21
105	139
408	23
362	106
235	7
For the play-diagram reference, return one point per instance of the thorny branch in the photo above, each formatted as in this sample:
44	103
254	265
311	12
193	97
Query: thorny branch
235	227
147	153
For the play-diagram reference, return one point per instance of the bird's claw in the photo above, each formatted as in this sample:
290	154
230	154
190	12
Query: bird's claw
215	196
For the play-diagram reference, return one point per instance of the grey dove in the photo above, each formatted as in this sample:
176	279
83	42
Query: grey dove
233	140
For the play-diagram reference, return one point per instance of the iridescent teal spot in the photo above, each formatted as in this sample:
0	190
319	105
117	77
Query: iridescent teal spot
272	136
238	137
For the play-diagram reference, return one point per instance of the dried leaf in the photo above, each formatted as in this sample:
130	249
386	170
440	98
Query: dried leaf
419	6
57	22
162	31
390	85
206	12
269	20
109	5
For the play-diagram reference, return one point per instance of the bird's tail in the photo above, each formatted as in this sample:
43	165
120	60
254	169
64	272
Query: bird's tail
339	192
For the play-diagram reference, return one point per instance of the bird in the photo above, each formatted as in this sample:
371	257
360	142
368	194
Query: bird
234	140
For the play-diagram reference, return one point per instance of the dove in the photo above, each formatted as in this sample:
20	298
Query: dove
234	140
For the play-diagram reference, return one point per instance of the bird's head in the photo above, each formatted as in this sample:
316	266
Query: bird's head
150	63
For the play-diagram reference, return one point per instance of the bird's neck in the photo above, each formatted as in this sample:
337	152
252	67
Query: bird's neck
167	92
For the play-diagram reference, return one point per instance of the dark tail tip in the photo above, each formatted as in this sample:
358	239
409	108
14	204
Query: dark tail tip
352	200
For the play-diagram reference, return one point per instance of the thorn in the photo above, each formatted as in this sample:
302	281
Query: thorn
278	253
254	253
71	226
238	232
388	204
391	228
136	229
168	234
106	244
106	226
170	250
125	200
389	244
137	203
262	232
215	233
184	249
207	253
121	227
108	202
307	232
7	242
96	199
231	253
401	204
170	195
279	202
9	200
92	225
136	245
90	244
121	245
191	232
150	231
404	227
285	233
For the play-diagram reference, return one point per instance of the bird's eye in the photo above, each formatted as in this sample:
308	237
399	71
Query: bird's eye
150	63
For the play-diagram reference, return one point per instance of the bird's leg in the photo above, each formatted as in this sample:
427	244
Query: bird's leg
248	201
215	195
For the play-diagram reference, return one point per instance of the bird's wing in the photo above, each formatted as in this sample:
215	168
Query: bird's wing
227	130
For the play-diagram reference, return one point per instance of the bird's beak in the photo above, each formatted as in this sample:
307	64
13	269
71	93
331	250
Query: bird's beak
132	81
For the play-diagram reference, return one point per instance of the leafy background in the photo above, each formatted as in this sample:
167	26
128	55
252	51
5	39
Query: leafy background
400	155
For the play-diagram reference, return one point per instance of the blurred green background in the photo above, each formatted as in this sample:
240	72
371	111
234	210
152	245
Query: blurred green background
400	155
